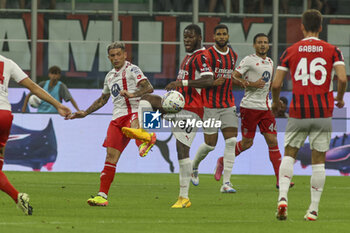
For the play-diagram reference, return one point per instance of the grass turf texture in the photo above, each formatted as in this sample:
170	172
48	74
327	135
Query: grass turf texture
141	203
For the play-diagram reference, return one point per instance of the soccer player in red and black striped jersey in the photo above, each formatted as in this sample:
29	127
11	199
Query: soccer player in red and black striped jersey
310	62
219	104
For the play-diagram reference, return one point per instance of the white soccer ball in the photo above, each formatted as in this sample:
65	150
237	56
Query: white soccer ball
34	101
173	102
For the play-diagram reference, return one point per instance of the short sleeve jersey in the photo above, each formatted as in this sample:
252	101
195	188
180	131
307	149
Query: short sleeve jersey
252	68
193	67
223	65
8	69
310	62
126	78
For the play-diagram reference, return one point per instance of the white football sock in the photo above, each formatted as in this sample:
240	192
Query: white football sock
185	170
285	176
318	178
229	158
202	152
144	105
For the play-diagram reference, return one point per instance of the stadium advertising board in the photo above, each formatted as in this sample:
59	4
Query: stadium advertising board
47	142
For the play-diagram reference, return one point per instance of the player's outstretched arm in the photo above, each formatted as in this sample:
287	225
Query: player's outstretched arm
342	85
42	94
74	103
203	82
100	102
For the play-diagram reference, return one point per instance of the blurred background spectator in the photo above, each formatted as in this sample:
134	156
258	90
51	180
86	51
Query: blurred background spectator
324	6
220	5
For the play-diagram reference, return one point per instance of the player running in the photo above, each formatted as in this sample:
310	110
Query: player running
255	107
310	62
195	73
219	104
125	83
8	70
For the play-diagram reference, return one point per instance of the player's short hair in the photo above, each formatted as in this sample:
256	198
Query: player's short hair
312	20
194	27
220	26
116	45
284	100
54	70
259	35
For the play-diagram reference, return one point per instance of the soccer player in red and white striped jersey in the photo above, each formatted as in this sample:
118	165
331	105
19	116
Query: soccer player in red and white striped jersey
310	62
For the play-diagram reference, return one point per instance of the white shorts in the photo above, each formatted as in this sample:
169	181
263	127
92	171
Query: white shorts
182	131
319	131
227	116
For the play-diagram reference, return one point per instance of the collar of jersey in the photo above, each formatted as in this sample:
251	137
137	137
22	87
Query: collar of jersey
125	64
223	53
311	37
195	51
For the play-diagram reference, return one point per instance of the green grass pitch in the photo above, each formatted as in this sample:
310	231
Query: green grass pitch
141	203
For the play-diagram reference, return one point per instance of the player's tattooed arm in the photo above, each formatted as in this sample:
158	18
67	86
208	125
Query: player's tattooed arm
144	87
100	102
95	106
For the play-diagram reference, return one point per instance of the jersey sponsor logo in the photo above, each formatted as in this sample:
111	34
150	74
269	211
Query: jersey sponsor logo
115	90
205	68
135	70
266	76
225	73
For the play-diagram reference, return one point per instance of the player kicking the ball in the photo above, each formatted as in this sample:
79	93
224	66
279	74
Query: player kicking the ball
125	83
195	72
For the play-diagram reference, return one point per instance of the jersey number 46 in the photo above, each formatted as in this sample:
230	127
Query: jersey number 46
305	73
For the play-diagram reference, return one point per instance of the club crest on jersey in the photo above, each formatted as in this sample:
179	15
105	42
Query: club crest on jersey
266	76
115	89
182	74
